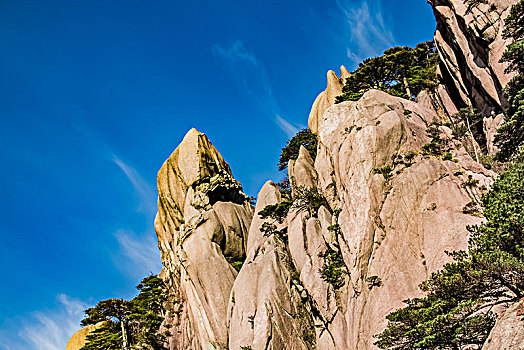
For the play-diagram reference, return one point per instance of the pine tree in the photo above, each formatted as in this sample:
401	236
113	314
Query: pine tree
129	324
290	151
400	71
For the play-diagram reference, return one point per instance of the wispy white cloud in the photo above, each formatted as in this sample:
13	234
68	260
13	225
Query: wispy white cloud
144	190
367	31
252	77
48	329
141	251
286	126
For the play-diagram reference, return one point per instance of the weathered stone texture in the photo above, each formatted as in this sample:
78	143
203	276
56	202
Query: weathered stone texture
202	222
508	331
469	40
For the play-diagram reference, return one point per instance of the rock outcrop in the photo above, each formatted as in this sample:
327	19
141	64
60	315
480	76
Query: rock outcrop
388	208
398	210
470	44
391	208
327	97
78	340
266	310
397	216
202	227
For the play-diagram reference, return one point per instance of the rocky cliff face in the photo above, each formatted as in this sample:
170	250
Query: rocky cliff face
397	215
395	226
507	333
469	40
392	209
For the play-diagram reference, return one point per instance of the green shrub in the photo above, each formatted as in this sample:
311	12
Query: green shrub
284	186
510	136
277	211
384	171
310	200
472	208
235	262
437	144
410	157
334	268
290	151
373	281
470	182
129	323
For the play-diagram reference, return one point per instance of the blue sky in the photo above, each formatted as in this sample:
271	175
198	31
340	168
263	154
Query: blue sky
95	95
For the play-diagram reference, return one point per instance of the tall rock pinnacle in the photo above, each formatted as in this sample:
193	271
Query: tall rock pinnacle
202	226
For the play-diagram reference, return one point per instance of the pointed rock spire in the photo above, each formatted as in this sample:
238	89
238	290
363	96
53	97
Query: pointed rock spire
327	97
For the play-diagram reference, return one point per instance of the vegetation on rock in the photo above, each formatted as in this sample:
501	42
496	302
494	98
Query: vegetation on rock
457	308
400	71
290	151
129	324
334	269
309	199
384	171
437	145
468	127
511	135
277	212
373	281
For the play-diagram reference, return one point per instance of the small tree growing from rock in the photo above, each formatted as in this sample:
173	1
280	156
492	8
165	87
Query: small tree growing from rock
290	151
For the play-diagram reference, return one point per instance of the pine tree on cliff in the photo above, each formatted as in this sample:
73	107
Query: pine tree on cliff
129	324
400	71
511	135
456	310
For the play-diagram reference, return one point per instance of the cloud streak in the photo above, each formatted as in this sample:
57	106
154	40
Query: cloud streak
253	79
141	250
144	190
142	253
368	34
48	329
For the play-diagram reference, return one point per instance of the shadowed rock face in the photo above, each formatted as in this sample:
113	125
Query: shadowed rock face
469	40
